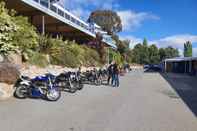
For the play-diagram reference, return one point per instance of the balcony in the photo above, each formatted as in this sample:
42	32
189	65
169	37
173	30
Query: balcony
65	14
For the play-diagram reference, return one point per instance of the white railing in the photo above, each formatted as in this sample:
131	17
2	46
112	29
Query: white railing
64	14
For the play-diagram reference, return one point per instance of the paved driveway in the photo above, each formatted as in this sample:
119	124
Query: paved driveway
144	102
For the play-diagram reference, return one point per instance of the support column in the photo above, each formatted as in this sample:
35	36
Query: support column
190	66
185	66
108	55
31	19
165	70
43	25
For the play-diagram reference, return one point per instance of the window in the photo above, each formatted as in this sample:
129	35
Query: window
73	19
67	16
60	12
53	8
44	3
78	23
36	1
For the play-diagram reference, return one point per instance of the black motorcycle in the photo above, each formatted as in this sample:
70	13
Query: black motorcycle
69	81
91	77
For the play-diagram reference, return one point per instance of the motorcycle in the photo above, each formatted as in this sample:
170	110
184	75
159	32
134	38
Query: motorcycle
38	87
76	80
69	81
91	77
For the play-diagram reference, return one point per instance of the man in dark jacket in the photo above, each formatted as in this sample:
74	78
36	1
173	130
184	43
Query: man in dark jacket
115	75
110	72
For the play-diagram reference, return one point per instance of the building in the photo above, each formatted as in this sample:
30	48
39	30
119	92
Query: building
51	18
181	65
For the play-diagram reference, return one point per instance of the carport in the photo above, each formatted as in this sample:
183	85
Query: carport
181	65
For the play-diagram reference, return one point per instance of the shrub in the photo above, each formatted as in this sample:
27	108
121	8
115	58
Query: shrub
38	59
64	57
25	37
73	55
47	43
77	51
7	28
116	56
91	57
15	32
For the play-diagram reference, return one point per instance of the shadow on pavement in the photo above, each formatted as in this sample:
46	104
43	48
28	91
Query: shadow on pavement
152	70
186	87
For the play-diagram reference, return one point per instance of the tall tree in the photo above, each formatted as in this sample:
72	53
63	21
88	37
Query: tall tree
171	52
137	53
145	52
188	49
145	42
107	19
162	54
153	54
123	46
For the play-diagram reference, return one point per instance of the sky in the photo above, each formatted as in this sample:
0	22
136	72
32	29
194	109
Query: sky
161	22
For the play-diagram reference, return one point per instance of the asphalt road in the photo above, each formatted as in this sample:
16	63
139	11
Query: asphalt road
143	102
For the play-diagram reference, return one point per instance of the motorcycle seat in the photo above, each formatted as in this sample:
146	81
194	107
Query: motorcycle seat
25	78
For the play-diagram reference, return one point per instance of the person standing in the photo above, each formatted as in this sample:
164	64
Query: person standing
115	76
110	72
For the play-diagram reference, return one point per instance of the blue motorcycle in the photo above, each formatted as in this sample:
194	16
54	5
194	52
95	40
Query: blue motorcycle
38	87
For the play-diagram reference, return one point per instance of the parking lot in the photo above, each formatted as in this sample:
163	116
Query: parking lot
143	102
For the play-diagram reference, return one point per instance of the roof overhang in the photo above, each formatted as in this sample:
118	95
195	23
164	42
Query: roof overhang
181	59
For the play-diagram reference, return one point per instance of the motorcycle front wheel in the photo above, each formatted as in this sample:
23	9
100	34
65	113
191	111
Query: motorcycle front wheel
53	95
21	92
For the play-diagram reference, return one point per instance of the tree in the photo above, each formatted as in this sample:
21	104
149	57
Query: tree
188	49
168	52
140	55
153	54
145	52
137	53
145	42
129	56
171	52
107	19
123	46
162	54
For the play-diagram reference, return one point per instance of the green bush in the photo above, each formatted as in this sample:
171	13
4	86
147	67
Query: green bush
16	33
64	58
47	43
25	37
116	56
91	57
7	28
77	51
71	54
38	59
